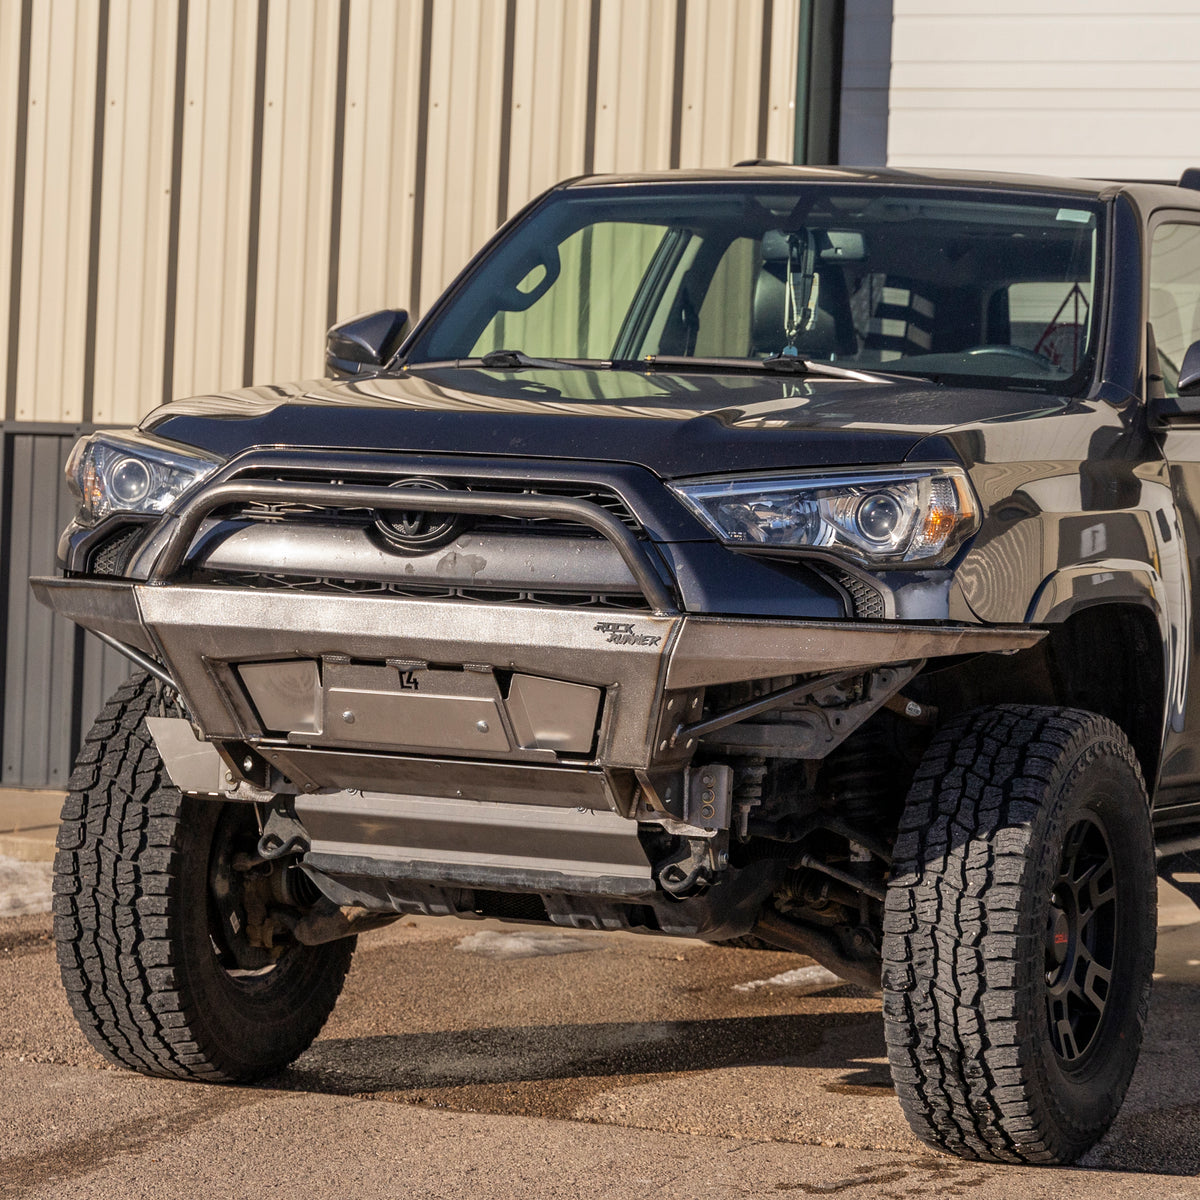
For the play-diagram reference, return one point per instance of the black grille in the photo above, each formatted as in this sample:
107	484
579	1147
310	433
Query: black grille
112	556
609	501
868	603
516	906
367	587
602	497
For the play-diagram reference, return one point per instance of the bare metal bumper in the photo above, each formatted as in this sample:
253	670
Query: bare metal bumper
641	661
406	742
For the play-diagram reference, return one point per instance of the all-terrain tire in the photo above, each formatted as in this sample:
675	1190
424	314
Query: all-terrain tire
1019	935
135	930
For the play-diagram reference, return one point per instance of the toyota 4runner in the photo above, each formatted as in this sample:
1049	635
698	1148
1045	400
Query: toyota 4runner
776	553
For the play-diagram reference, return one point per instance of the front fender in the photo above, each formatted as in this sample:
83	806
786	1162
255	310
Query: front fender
1107	582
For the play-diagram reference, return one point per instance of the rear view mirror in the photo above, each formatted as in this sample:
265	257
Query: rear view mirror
843	245
364	343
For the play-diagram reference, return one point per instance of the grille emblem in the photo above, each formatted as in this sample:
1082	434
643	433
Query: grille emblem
414	530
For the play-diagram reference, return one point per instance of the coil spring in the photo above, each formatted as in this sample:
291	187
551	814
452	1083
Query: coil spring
861	781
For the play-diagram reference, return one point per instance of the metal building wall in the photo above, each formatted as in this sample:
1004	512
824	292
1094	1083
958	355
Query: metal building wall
55	678
1102	88
200	187
192	191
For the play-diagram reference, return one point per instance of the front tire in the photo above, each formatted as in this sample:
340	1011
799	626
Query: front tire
147	965
1019	935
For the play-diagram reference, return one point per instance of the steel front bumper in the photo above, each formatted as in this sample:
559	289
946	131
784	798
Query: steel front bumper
432	746
641	663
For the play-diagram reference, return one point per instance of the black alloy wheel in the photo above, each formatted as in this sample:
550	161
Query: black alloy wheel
1081	942
1019	934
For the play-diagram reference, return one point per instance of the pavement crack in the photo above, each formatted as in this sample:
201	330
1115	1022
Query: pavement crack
872	1178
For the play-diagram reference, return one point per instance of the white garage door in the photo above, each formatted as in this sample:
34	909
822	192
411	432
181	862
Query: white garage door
1075	87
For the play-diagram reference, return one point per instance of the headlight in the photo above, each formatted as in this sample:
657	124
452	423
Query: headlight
126	472
916	516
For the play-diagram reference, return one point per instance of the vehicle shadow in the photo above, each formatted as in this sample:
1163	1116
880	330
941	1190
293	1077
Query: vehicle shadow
836	1061
542	1053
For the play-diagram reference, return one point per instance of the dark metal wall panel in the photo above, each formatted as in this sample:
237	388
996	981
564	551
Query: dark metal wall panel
55	677
104	670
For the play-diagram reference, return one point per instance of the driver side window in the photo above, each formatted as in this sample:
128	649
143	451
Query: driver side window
1174	300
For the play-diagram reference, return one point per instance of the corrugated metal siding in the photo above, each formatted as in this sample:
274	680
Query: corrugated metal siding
1081	87
215	196
56	207
11	102
722	83
297	165
379	175
462	160
191	191
635	110
55	679
548	139
134	210
257	168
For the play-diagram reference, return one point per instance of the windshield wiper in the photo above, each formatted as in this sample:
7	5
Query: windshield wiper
784	364
513	360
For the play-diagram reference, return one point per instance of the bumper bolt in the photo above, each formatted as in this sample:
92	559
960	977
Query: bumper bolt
482	726
348	717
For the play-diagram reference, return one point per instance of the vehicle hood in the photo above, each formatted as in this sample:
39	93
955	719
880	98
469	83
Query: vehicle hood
675	425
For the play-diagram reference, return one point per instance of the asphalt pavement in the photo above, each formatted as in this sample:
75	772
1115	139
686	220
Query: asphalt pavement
475	1059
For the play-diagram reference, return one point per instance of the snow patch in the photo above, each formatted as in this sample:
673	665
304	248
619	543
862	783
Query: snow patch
813	979
25	887
531	944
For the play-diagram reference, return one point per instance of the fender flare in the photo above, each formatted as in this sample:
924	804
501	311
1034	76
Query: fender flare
1070	590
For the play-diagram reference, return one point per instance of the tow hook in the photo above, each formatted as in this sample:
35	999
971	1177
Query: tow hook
692	867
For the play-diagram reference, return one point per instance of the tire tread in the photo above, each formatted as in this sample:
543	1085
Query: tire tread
953	987
116	909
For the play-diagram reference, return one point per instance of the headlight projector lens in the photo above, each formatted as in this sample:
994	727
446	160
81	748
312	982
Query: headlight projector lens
130	481
878	517
131	472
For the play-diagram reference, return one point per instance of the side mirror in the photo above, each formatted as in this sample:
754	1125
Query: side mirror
1189	373
363	344
1185	405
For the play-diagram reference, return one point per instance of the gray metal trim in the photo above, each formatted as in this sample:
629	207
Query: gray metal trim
509	562
190	515
346	868
194	766
501	783
444	834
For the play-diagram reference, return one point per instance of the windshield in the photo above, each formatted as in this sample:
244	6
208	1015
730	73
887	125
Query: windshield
951	283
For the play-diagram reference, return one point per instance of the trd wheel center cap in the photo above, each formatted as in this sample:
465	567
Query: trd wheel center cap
1058	937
